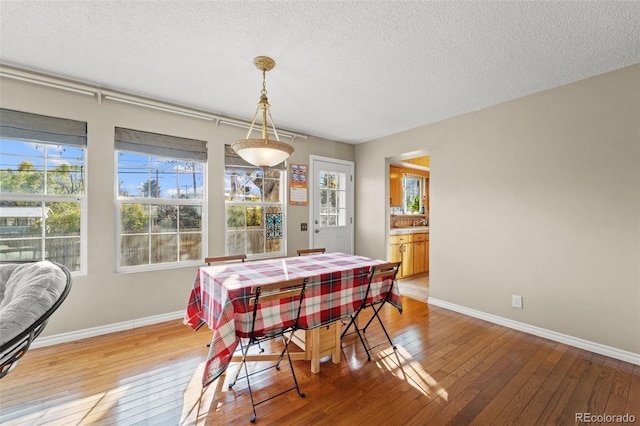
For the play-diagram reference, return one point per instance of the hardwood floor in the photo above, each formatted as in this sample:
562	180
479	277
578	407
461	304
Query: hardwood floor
448	369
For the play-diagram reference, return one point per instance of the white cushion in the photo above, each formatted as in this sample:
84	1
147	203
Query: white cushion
27	291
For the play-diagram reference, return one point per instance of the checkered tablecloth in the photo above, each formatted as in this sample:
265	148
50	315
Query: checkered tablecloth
336	285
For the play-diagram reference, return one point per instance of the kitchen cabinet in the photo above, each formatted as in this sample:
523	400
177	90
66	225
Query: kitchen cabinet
420	245
412	250
426	252
395	186
402	251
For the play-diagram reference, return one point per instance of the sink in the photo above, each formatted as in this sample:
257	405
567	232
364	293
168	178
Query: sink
409	230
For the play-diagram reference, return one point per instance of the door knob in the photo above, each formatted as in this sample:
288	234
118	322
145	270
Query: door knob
316	231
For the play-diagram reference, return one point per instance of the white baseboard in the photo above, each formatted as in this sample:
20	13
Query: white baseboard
104	329
598	348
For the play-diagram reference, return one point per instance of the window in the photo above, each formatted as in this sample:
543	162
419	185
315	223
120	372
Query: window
412	193
333	198
160	200
43	187
254	200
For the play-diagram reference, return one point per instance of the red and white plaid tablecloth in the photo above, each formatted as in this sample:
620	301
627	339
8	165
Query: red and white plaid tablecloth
336	285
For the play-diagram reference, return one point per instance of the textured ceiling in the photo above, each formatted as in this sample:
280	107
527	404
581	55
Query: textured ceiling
346	70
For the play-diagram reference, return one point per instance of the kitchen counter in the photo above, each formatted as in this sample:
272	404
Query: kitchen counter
409	230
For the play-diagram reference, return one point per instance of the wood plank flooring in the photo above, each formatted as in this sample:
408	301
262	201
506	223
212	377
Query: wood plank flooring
448	369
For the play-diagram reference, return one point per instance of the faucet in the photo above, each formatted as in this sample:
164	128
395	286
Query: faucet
421	222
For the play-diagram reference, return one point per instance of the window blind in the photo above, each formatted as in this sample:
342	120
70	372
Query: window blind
42	128
160	145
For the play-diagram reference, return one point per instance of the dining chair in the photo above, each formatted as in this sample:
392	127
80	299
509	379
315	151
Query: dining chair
222	259
288	295
225	259
305	252
379	273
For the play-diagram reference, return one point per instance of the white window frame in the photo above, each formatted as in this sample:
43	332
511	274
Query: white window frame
232	162
38	126
120	201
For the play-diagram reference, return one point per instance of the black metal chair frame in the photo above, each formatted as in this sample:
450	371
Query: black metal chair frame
261	294
386	271
14	349
221	259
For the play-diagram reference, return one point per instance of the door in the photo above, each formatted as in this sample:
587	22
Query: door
331	204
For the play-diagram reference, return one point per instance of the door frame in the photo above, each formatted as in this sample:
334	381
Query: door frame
350	194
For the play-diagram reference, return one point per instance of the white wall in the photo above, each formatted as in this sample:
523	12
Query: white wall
539	196
103	297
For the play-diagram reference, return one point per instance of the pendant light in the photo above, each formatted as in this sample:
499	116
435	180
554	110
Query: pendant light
263	152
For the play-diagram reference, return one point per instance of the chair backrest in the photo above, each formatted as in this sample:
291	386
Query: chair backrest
280	290
219	259
44	273
305	252
383	272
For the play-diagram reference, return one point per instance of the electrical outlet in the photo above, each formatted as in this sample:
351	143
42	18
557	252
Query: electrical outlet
303	226
516	301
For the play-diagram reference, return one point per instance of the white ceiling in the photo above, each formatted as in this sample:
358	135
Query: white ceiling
350	71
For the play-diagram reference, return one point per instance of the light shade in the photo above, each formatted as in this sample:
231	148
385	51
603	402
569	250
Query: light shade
263	152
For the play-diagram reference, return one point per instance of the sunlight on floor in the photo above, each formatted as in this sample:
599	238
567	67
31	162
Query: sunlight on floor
77	411
401	364
198	402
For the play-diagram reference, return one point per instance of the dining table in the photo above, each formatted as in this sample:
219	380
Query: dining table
336	287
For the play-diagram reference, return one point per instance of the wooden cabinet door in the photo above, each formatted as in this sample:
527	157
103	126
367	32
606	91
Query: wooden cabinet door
407	259
426	248
419	257
420	246
402	251
396	254
395	186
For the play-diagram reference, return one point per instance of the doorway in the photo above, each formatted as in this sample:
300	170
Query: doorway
408	216
331	204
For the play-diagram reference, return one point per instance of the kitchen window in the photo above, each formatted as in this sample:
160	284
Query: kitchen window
412	194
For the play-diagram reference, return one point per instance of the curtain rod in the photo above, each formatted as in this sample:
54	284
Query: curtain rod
110	95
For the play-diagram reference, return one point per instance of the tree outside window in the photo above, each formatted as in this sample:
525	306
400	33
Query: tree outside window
161	209
254	211
43	197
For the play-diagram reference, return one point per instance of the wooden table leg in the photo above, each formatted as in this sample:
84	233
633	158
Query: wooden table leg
337	348
320	342
315	350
